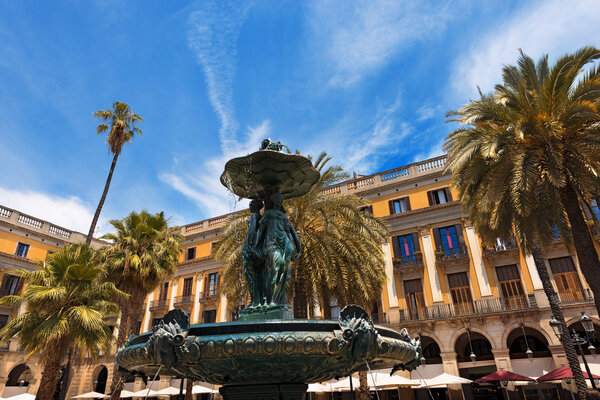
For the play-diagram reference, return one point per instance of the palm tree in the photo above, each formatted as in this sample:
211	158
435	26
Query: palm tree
341	255
144	251
496	173
122	130
67	306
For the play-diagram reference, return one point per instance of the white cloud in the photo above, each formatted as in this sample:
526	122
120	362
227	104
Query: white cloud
553	27
358	37
212	36
68	212
427	112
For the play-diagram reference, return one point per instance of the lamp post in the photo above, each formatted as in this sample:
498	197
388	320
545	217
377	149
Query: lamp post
472	356
578	341
528	351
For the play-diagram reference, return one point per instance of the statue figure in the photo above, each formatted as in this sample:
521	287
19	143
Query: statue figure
267	144
276	239
253	267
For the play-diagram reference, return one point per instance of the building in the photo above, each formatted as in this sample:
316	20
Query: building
461	298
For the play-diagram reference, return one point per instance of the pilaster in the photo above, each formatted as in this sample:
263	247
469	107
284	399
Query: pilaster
450	362
196	311
502	359
558	355
478	262
389	273
428	252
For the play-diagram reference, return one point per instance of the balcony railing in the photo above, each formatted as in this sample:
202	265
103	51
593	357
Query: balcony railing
209	295
159	304
185	300
446	256
408	262
501	249
480	307
576	296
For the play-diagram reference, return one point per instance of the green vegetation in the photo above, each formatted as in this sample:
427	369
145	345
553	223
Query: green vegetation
68	306
341	249
526	157
122	130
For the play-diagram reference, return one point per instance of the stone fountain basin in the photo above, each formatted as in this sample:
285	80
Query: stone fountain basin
270	351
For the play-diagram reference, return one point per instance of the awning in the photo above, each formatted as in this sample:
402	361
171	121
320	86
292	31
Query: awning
562	373
197	389
503	375
444	380
170	391
125	394
384	380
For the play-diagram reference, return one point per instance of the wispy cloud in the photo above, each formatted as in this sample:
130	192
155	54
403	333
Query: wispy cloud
70	211
212	36
358	37
554	27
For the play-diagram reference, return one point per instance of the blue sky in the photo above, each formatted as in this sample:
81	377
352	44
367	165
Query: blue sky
367	81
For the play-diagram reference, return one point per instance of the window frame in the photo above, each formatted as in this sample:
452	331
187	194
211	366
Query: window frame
27	248
405	199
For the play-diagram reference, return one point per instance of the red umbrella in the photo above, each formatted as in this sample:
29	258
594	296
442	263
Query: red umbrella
503	375
562	373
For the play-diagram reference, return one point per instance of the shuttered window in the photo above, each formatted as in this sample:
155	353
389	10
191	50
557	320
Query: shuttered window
212	286
187	287
398	206
191	253
405	246
460	292
510	285
11	285
566	278
415	300
439	196
164	291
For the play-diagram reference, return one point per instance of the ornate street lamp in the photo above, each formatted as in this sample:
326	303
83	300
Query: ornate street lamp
423	360
577	340
528	351
472	356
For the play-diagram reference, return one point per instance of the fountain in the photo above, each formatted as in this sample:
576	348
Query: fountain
266	354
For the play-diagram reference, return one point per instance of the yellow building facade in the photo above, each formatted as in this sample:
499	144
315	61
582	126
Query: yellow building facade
461	298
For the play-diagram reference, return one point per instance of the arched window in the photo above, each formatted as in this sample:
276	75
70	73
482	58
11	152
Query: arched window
431	350
19	376
517	343
479	344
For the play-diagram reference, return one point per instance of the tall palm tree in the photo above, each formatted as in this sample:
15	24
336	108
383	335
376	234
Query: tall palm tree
122	130
496	173
341	255
143	252
68	305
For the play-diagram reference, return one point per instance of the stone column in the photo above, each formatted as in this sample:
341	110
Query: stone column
429	253
558	355
2	384
538	289
450	362
173	294
199	283
147	313
478	263
502	359
223	309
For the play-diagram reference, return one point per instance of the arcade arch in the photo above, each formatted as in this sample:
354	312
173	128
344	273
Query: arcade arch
431	350
478	344
19	375
521	338
99	378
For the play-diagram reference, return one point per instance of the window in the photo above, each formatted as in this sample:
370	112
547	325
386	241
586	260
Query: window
415	301
398	206
405	247
460	292
212	286
3	320
510	285
11	285
367	210
334	308
164	291
447	239
187	287
191	253
22	250
439	196
209	316
566	278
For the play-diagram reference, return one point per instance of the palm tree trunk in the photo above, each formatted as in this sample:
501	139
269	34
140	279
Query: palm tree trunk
90	235
116	385
189	384
582	240
567	343
363	389
300	300
49	376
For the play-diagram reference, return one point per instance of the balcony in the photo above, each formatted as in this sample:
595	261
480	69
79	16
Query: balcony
451	256
408	263
184	301
502	249
481	307
576	297
161	304
211	295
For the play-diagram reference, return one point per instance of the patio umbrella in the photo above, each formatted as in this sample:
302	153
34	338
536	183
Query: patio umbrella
90	395
142	393
170	391
503	375
444	380
317	388
22	396
126	394
197	389
344	384
562	373
383	379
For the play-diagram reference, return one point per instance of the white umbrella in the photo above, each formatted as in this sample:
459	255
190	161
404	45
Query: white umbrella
444	380
170	391
22	396
383	379
318	388
344	384
90	395
126	394
144	392
196	389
